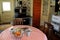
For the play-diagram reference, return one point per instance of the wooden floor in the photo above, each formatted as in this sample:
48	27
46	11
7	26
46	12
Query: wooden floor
52	36
4	26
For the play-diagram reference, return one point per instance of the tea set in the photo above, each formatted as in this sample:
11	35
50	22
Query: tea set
19	32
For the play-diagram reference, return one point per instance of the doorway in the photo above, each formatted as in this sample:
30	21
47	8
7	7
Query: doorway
6	11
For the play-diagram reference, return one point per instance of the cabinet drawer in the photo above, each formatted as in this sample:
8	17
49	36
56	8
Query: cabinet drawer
56	19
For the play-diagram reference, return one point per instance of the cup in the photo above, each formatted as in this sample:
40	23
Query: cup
28	32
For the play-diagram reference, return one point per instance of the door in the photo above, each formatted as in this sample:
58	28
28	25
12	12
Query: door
0	11
6	11
36	13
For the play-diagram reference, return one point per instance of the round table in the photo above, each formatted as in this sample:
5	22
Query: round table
36	34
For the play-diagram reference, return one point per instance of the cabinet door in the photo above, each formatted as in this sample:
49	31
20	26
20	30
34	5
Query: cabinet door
6	10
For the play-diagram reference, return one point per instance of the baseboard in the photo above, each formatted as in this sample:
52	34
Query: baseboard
5	23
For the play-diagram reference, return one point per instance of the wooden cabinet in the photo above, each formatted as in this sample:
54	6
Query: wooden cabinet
56	24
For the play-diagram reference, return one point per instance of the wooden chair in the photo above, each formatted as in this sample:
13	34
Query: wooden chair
18	21
48	29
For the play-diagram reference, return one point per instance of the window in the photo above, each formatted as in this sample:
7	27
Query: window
6	6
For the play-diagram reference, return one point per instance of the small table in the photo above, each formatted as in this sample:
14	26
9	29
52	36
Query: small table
36	34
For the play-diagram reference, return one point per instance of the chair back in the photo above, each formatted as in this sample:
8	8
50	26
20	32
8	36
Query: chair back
18	21
48	27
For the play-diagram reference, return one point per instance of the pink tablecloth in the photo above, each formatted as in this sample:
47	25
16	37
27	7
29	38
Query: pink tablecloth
36	34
